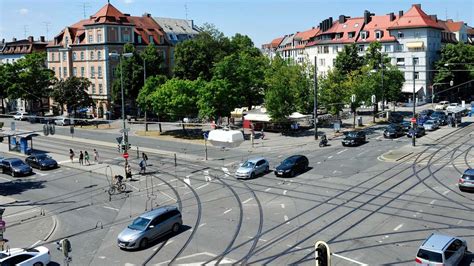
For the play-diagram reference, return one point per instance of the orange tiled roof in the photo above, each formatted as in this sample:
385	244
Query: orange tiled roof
306	35
109	14
378	23
343	29
276	42
415	18
454	26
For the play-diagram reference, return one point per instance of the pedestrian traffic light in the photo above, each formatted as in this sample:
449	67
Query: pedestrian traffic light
65	246
322	254
129	146
119	148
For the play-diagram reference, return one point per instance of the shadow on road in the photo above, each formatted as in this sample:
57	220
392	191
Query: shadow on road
19	186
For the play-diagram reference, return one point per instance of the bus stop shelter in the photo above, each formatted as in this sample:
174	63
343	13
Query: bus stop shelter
19	141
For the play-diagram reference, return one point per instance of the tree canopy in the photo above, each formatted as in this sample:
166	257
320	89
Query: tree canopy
72	92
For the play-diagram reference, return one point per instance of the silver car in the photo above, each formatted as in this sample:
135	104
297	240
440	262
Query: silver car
253	167
441	250
431	125
150	226
466	181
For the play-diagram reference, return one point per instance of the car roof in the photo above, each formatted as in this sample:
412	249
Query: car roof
437	242
256	159
469	171
12	159
152	214
292	157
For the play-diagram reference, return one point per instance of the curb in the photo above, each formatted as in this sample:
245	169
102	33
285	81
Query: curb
55	223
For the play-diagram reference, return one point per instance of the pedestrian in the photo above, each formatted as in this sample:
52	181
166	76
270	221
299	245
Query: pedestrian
142	167
145	158
128	171
86	158
71	155
96	156
262	134
81	158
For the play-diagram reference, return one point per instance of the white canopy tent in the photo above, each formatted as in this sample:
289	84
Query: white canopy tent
225	138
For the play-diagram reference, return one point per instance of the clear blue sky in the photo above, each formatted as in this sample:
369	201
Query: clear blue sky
262	20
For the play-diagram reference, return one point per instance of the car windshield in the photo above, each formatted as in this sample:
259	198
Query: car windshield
468	177
248	164
42	157
352	134
16	163
288	161
429	255
139	224
428	122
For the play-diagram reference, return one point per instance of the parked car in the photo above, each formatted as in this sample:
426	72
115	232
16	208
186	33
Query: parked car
41	161
150	226
20	116
395	118
422	119
393	131
419	131
426	112
33	118
15	167
440	249
406	125
431	125
63	121
442	105
253	167
353	138
292	165
466	181
25	257
441	116
452	107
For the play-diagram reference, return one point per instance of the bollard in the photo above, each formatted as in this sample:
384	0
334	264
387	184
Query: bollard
175	164
138	153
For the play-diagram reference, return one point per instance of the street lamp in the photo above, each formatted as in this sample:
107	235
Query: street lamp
315	98
124	133
413	137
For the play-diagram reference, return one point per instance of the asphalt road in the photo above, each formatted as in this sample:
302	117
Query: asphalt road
369	211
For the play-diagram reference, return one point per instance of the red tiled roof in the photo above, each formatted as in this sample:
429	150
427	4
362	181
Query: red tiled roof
378	23
146	26
109	14
415	18
276	42
306	35
351	25
454	26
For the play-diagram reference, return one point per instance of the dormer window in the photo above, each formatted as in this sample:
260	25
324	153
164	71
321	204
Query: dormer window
378	34
356	25
351	35
364	35
338	35
400	34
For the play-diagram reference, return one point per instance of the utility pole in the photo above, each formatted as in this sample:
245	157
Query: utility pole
383	90
413	137
315	98
146	104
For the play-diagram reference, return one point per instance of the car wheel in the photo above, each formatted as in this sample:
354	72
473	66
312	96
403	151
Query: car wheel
252	175
144	243
292	173
176	227
38	264
267	169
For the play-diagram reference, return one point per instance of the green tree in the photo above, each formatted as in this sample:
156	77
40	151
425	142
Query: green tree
152	84
348	60
333	91
216	99
455	64
154	61
72	92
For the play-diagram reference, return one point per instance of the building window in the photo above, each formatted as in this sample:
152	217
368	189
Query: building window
326	49
92	72
378	34
99	37
92	55
82	71
60	73
99	55
74	71
82	56
52	56
361	48
66	40
150	39
417	34
387	48
65	71
126	37
416	61
400	61
139	39
417	75
334	49
399	48
364	35
400	35
64	56
90	38
351	35
99	71
74	56
322	61
93	88
101	90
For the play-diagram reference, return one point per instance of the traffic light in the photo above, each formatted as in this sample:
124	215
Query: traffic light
119	148
129	146
65	246
322	254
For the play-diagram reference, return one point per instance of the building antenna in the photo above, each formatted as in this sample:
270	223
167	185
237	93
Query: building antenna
84	6
46	24
25	30
186	10
446	13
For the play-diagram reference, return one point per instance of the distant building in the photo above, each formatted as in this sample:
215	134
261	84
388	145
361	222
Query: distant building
411	38
11	52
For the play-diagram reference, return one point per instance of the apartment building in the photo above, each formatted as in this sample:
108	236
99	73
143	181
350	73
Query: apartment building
83	48
412	40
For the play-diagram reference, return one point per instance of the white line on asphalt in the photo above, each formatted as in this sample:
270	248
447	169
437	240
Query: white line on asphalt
263	240
460	221
318	162
433	201
348	259
169	242
284	192
446	192
41	174
247	200
6	179
36	243
282	206
227	211
202	186
57	172
360	153
231	163
137	189
398	227
342	151
226	170
330	157
168	195
111	208
203	224
20	213
268	189
66	161
285	217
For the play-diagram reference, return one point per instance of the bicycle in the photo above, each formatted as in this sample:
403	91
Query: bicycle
120	187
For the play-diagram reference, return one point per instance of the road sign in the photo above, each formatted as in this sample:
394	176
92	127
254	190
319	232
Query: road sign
206	135
125	155
413	120
119	140
2	224
124	130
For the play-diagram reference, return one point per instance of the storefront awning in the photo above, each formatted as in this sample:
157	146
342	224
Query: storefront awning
414	45
408	88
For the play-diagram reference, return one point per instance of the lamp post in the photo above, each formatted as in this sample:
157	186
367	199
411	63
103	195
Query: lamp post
146	105
315	98
413	137
124	129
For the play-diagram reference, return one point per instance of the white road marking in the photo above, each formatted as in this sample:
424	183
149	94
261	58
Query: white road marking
268	189
284	192
205	185
446	192
203	224
341	151
20	213
432	202
348	259
263	240
65	161
226	170
227	211
187	180
360	153
111	208
36	243
6	179
330	157
137	189
398	227
169	242
282	206
460	221
285	217
318	163
168	195
247	200
41	174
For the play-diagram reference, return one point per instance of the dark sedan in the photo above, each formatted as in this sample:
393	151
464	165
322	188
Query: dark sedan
419	131
41	161
15	167
393	131
441	117
292	165
406	125
354	138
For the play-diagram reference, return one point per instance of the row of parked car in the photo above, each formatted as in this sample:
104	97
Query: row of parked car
17	167
58	120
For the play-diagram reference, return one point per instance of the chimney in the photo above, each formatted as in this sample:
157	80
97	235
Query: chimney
434	17
367	17
330	23
321	26
42	39
14	40
417	5
342	19
147	15
30	38
400	13
392	16
127	15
